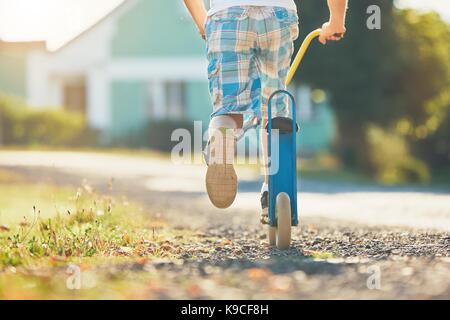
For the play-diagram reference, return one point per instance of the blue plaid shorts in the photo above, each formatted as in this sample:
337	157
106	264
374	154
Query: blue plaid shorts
249	51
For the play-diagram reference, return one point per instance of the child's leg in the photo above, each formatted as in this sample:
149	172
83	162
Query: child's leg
230	41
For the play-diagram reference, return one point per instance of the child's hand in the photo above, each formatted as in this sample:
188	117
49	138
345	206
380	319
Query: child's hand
331	32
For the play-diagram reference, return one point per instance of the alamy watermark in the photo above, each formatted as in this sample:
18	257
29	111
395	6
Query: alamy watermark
374	19
374	279
78	279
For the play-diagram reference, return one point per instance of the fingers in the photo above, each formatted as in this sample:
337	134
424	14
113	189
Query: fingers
324	38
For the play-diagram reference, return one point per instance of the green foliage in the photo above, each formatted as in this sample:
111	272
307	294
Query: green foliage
391	160
424	91
21	125
423	80
398	77
357	72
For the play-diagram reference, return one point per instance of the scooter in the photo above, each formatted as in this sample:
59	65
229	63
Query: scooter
282	154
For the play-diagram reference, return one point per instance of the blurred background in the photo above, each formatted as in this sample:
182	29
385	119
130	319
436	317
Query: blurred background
126	73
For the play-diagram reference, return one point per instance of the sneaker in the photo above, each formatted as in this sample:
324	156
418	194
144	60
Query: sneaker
221	178
265	207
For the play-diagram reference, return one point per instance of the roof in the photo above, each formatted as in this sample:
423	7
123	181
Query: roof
117	11
13	46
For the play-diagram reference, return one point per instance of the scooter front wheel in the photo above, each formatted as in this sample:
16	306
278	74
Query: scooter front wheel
284	221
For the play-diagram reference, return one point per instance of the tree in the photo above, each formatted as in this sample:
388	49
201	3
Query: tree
423	93
355	72
394	77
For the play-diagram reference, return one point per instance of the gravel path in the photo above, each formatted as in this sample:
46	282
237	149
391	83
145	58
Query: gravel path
354	242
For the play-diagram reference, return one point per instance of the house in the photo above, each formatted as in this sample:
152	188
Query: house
13	66
142	63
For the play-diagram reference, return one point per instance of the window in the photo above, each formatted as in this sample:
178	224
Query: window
175	100
166	101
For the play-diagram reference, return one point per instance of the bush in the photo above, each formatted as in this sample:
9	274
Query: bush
390	159
11	114
20	125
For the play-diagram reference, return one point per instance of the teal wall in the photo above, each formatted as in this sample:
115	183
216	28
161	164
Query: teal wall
199	107
12	73
128	109
318	133
157	28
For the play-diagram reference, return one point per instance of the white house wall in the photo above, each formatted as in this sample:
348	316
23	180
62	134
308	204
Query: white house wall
98	98
159	69
86	57
37	85
89	57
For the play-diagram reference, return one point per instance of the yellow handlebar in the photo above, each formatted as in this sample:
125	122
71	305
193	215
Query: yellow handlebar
301	53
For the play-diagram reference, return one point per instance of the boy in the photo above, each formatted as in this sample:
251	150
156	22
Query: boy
249	49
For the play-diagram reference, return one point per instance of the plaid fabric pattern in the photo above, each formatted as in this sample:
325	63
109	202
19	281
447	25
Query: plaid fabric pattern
249	52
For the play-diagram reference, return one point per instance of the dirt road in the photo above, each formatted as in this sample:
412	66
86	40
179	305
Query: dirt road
354	242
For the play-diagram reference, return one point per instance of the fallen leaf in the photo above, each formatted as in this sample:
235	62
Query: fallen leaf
194	291
56	259
256	274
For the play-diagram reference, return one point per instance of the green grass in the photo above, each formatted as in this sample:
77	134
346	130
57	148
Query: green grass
319	255
69	224
45	229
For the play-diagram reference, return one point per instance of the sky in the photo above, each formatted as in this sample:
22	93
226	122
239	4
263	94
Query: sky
58	21
55	21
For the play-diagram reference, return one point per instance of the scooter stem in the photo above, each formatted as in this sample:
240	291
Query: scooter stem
301	53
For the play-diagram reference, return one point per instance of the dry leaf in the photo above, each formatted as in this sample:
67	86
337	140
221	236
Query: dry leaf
256	274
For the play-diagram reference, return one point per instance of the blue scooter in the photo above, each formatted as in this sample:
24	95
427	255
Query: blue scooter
282	152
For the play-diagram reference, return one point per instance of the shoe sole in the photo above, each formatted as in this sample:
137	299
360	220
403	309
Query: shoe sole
264	219
221	185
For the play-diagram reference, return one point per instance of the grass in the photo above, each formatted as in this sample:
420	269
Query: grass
50	229
89	225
